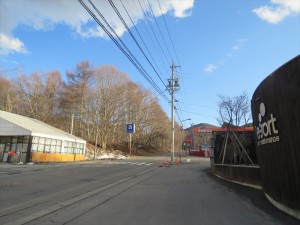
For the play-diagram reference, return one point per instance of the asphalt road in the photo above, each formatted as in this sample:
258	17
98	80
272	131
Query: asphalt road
129	192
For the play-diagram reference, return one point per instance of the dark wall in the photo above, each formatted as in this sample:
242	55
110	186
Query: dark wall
246	138
249	175
276	117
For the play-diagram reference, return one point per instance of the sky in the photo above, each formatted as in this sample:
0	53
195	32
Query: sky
219	47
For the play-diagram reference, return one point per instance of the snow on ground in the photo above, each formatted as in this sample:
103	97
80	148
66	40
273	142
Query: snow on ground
105	154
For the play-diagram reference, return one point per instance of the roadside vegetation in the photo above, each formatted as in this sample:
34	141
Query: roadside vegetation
93	103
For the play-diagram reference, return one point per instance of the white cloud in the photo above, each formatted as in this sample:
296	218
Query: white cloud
241	40
293	5
46	14
239	43
10	44
210	68
236	47
182	8
278	10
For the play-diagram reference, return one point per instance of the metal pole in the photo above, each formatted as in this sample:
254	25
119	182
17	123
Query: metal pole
129	144
172	129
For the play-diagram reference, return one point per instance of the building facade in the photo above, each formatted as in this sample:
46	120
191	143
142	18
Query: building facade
24	139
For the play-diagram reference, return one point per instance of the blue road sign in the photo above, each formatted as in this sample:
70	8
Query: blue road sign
130	128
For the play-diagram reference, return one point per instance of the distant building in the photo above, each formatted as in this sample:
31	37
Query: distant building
24	139
198	136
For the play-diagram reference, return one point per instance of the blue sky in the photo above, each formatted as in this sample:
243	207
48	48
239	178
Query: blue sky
223	46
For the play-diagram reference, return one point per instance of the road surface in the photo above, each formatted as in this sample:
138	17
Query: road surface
129	192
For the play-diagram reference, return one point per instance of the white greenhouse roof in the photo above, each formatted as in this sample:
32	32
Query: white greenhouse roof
13	125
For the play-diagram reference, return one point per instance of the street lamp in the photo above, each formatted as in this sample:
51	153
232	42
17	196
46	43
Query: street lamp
185	120
183	148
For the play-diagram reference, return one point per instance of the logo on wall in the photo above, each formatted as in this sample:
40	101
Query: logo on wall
266	130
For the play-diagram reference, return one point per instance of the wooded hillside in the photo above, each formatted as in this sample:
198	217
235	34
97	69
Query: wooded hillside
94	103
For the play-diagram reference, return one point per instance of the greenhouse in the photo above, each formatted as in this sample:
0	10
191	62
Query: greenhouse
24	139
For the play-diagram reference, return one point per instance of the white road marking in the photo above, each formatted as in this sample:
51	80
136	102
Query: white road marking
128	163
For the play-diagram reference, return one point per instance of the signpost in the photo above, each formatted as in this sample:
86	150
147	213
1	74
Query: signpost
130	128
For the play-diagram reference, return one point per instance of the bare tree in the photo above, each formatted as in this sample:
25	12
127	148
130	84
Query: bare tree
39	94
53	88
234	110
107	103
242	113
75	99
7	95
102	101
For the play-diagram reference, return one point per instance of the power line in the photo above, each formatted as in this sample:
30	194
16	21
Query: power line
160	47
168	32
126	51
196	114
122	47
136	29
150	36
159	30
132	36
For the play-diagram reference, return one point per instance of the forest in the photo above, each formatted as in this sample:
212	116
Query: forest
93	103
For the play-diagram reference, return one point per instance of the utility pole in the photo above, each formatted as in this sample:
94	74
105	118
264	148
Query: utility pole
172	87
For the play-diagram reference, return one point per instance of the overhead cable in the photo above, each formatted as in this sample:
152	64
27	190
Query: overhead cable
160	30
160	47
122	46
133	37
139	34
168	31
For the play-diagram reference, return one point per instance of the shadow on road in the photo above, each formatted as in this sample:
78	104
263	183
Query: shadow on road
257	198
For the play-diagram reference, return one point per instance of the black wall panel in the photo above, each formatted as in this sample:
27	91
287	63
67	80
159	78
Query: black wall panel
276	118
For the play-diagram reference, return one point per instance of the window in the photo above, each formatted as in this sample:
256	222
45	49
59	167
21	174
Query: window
58	149
49	145
69	147
20	139
48	141
35	140
82	148
3	140
42	140
14	139
47	148
26	139
8	140
58	146
14	146
41	148
34	147
53	148
53	142
25	147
